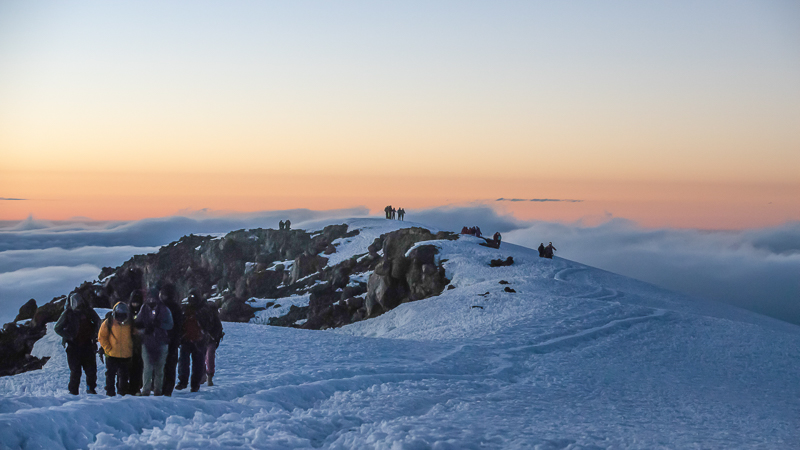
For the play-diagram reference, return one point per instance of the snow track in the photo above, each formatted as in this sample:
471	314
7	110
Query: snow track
577	358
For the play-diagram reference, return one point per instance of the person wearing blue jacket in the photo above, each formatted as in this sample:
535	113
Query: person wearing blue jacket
155	320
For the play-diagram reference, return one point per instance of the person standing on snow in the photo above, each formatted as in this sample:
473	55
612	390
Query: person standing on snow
78	327
287	225
401	214
155	320
169	297
136	370
541	250
215	335
117	342
548	251
197	321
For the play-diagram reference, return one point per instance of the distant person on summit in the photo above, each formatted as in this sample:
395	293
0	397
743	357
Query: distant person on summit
287	225
401	214
541	250
549	250
280	225
78	327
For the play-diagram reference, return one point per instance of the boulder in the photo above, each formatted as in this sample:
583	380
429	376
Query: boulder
235	309
26	311
500	262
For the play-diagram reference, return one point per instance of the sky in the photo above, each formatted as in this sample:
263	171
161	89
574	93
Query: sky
670	114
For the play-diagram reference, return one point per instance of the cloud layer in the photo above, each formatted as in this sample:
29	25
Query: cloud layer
757	270
34	234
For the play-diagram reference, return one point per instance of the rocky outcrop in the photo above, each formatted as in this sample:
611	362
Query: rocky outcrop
260	263
17	338
400	278
26	311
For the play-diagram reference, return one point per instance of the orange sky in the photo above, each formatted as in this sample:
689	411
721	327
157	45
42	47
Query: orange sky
671	116
126	196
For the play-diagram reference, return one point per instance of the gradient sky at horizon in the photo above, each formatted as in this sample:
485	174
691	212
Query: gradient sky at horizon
683	114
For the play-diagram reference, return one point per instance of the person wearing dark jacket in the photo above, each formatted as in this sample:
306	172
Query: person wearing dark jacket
136	370
541	250
215	335
169	297
197	321
78	327
155	320
548	251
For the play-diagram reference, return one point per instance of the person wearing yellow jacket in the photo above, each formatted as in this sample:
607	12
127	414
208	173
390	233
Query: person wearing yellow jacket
115	338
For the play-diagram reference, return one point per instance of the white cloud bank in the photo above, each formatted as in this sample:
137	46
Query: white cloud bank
755	269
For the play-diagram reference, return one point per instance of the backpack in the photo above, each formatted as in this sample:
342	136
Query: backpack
192	330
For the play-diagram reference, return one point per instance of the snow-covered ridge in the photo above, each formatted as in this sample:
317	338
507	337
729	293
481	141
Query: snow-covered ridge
574	357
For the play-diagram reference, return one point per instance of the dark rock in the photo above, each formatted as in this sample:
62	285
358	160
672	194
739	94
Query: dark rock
500	263
295	313
398	278
26	311
355	302
49	312
504	282
236	310
508	289
16	343
477	306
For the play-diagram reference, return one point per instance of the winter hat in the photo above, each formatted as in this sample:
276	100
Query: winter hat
121	312
152	296
75	300
194	298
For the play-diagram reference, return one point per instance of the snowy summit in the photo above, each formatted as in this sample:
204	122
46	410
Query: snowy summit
541	353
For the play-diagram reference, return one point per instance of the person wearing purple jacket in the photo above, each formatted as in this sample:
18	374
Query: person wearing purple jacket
155	320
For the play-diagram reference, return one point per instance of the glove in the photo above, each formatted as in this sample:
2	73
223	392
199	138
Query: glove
102	355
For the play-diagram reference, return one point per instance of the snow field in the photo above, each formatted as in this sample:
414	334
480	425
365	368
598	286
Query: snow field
577	358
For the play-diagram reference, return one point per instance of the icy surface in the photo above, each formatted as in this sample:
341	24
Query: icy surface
577	358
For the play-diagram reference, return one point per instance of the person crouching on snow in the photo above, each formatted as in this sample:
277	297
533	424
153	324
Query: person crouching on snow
78	326
117	342
154	319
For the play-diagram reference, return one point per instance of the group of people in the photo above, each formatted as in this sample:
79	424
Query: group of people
392	213
287	225
546	252
143	343
472	231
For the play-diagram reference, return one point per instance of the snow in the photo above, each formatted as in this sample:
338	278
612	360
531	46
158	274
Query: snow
280	308
577	358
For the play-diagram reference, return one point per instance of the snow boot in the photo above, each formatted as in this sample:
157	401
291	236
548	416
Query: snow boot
211	380
181	386
91	391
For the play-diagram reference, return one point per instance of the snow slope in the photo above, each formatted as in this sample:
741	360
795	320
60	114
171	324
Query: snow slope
576	358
